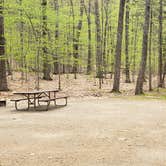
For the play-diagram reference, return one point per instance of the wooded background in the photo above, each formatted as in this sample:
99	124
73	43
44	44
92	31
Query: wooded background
97	37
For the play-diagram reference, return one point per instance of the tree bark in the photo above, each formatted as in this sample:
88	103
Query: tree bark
88	13
116	84
105	37
141	75
135	50
3	77
127	70
150	51
76	40
160	70
98	44
22	41
56	63
46	65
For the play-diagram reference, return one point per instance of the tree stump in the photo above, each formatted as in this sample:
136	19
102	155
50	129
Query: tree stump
2	103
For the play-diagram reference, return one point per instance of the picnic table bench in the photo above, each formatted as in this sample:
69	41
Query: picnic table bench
35	98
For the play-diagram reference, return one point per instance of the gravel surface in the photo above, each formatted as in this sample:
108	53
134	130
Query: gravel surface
92	132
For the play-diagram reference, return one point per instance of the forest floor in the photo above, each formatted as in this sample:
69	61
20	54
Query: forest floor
83	87
94	132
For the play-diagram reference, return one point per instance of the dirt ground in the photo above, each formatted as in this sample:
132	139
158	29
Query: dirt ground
94	132
84	86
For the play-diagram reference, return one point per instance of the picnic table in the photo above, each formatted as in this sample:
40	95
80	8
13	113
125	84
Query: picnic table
35	98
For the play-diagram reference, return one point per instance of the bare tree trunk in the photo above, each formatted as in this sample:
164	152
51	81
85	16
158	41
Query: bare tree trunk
160	72
46	65
73	31
3	77
76	40
141	76
88	13
22	41
56	63
105	38
135	50
150	52
127	42
98	44
116	84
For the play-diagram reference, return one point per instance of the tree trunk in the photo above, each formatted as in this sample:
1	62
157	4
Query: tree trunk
98	44
3	77
56	63
160	72
141	75
105	38
46	65
150	52
89	65
76	39
116	84
22	41
135	50
127	70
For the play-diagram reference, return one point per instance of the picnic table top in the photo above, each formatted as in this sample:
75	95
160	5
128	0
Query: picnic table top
35	92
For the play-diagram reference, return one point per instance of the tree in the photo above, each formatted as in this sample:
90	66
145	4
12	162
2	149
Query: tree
46	65
56	63
141	75
76	39
22	40
98	44
3	77
105	34
116	83
127	42
88	14
150	50
160	71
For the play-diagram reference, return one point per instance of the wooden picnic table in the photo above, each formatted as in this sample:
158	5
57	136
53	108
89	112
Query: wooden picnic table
34	98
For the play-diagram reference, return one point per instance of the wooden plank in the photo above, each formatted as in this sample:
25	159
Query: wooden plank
34	92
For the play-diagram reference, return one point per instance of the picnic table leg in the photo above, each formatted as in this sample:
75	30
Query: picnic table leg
55	99
16	105
28	101
48	104
34	102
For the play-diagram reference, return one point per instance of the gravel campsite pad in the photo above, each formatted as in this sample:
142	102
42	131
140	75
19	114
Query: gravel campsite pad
94	132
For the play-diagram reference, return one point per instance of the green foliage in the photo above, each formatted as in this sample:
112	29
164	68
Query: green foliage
63	46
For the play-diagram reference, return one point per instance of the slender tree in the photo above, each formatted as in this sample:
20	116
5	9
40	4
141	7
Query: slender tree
22	40
160	71
98	44
3	78
135	49
56	63
141	75
116	84
127	69
88	14
46	65
105	34
76	39
150	50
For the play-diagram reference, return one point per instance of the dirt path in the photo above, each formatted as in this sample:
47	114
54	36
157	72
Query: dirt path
107	132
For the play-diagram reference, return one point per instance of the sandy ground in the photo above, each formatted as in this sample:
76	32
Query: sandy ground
95	132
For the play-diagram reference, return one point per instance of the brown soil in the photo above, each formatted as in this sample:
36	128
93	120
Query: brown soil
98	132
84	86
